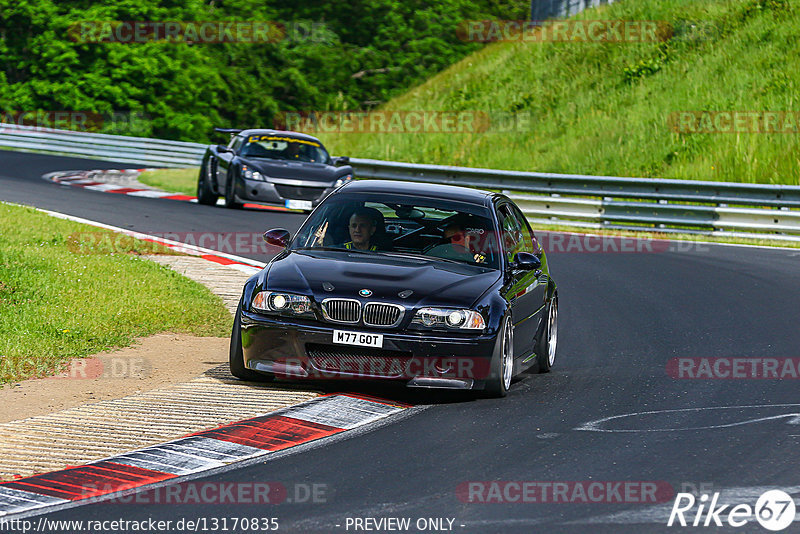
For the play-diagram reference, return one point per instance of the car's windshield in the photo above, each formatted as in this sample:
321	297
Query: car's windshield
284	148
391	224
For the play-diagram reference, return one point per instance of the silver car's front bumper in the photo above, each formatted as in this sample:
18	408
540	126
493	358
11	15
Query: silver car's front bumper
278	191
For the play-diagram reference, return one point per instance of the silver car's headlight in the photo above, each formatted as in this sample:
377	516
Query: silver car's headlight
250	174
449	318
279	302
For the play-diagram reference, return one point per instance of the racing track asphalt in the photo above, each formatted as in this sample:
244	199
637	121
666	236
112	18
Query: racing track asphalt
623	317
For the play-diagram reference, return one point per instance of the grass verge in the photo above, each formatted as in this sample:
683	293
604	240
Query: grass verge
69	290
182	180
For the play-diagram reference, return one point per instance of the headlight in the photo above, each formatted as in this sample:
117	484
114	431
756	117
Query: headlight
343	180
274	302
449	318
250	174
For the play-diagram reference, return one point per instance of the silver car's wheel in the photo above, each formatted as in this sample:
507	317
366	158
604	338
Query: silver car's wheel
230	191
205	193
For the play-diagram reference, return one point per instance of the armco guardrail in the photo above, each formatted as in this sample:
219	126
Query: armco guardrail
139	150
622	203
577	200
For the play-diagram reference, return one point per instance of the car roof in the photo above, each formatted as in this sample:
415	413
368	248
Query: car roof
420	189
265	131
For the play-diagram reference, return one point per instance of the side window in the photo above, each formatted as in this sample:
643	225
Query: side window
510	231
236	143
530	243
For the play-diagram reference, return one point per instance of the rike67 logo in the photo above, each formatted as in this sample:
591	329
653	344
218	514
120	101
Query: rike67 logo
774	510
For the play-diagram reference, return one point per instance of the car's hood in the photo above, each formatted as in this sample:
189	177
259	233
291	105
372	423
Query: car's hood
328	274
296	170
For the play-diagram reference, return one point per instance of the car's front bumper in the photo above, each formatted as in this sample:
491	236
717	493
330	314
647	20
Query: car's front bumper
305	351
278	192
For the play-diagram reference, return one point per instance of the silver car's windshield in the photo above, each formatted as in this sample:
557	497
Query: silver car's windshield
282	147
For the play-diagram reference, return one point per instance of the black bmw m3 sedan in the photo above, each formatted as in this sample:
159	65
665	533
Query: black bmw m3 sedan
434	286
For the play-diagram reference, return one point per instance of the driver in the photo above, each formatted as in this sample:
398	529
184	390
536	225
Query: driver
362	226
292	150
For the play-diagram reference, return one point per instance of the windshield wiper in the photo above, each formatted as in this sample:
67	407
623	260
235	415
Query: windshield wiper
257	156
424	257
319	248
387	253
340	249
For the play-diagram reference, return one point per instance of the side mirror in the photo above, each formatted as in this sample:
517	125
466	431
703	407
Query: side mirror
277	237
222	149
525	261
341	160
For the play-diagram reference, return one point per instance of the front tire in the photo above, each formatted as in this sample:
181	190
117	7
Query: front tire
205	194
230	191
502	366
236	356
548	342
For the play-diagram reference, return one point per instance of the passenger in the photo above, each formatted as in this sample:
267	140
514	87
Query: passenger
455	245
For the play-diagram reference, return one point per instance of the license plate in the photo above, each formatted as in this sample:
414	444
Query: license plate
299	204
343	337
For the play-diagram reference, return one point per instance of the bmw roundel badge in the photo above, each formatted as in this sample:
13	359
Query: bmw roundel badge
365	293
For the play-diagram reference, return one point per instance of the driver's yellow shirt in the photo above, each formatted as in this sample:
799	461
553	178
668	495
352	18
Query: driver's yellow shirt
350	246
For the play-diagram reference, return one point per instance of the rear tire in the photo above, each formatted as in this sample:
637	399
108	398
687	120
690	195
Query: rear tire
230	189
205	195
236	356
548	341
502	366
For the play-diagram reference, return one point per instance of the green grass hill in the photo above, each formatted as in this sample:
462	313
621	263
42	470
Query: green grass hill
607	108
